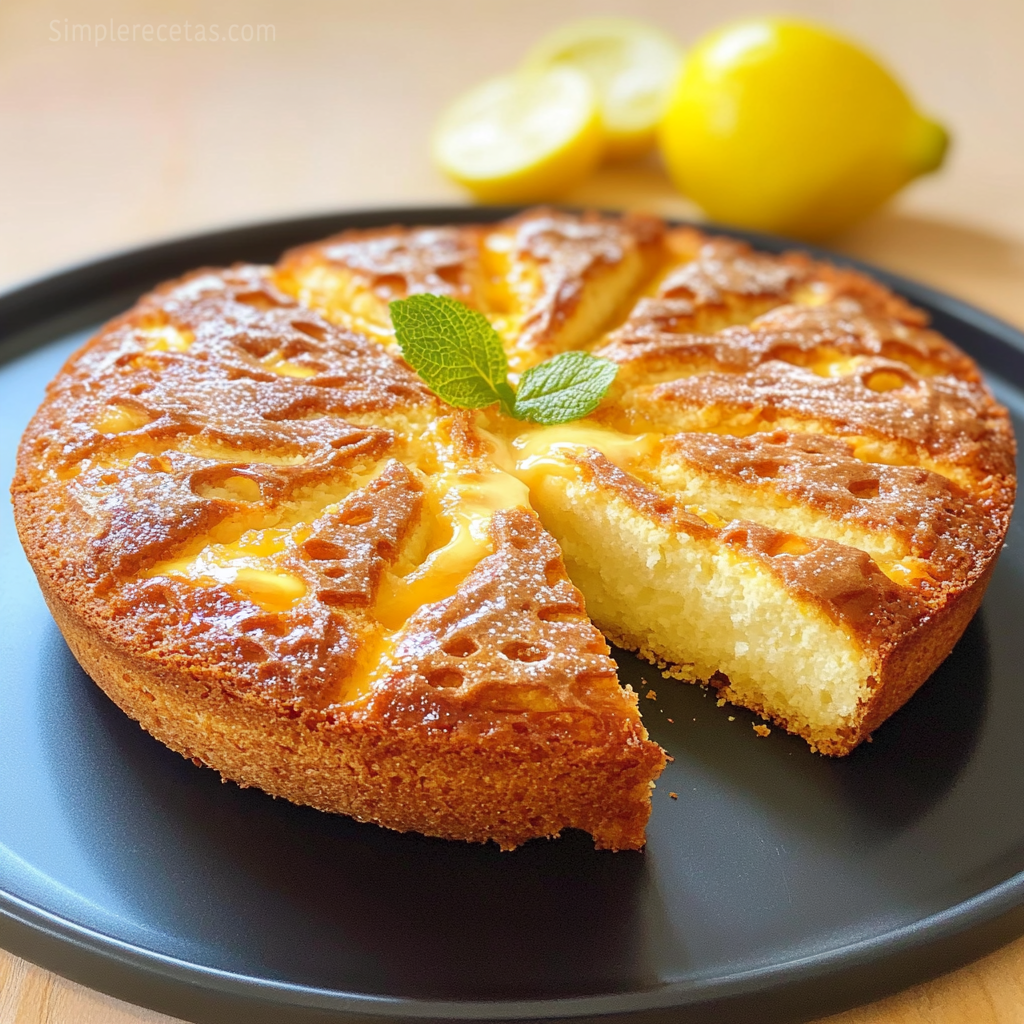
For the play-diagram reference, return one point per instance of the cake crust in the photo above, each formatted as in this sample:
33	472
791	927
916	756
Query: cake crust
494	776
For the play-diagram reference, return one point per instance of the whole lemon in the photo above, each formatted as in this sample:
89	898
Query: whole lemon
780	125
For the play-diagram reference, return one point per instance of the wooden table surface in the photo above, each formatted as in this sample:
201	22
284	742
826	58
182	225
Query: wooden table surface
107	145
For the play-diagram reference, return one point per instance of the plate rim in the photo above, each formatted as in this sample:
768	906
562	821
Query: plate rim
989	918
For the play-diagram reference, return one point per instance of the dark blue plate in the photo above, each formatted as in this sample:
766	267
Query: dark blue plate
779	885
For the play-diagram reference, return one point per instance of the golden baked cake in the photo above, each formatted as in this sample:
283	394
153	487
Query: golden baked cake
275	548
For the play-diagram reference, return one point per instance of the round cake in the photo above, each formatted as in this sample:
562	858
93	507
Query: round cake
279	552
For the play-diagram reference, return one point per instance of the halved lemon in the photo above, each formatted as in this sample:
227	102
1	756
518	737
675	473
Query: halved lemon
632	67
523	137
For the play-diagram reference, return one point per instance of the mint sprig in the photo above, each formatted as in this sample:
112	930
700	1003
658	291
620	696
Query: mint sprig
566	387
454	349
461	359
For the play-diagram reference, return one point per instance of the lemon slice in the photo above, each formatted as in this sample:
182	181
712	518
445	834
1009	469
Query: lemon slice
522	137
631	65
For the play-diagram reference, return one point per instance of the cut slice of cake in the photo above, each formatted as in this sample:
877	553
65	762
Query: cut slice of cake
273	548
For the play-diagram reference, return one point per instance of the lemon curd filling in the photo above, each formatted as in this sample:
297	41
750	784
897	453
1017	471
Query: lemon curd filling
527	467
245	566
117	419
460	503
166	338
285	368
464	502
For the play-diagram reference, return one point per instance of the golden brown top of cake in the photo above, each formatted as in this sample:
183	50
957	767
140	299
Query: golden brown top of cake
223	480
241	479
543	278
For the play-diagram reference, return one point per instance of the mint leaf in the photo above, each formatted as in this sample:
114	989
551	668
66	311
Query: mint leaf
567	387
461	359
454	349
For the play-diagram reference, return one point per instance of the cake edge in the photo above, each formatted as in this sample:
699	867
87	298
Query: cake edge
352	771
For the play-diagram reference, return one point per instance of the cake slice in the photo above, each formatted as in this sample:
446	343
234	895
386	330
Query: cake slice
281	555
